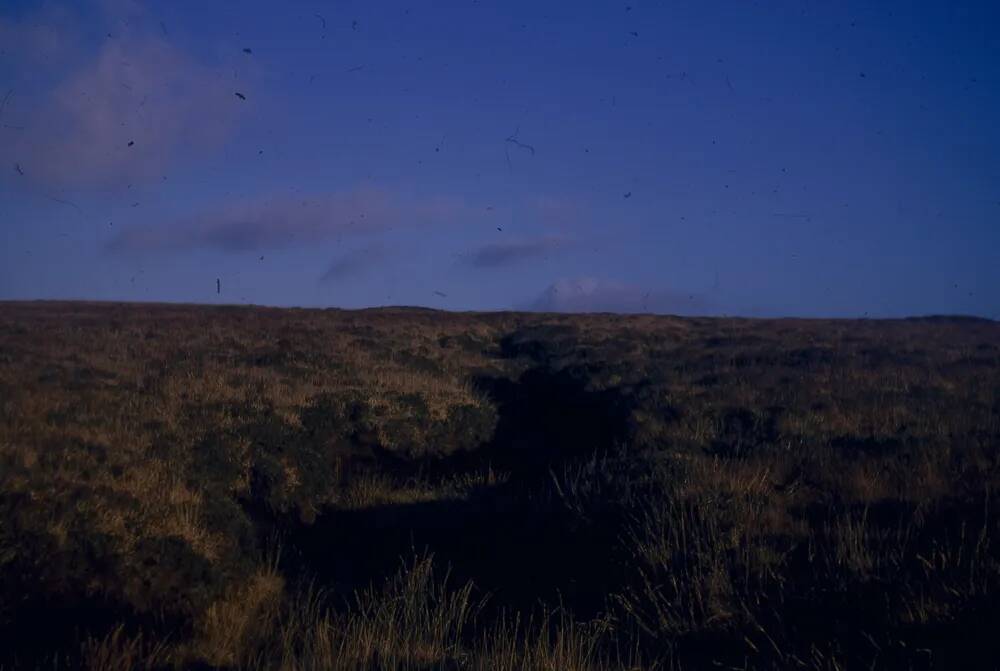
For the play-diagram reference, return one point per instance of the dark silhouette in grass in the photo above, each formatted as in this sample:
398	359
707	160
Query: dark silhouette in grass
516	540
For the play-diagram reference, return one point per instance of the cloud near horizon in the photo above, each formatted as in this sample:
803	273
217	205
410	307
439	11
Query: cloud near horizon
354	263
501	254
590	294
256	224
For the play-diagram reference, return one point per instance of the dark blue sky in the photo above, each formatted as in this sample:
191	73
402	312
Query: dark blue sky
772	158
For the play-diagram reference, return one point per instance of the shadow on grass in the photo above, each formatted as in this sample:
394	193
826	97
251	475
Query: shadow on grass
515	540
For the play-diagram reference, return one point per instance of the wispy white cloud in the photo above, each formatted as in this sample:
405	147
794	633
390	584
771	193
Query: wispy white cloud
74	128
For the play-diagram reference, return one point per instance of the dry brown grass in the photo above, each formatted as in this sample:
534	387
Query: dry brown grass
117	651
231	626
730	479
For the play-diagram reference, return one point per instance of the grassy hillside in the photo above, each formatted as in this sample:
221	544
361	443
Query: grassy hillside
233	487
